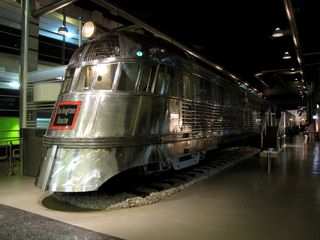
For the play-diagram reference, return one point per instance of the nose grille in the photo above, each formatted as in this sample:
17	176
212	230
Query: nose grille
76	56
105	47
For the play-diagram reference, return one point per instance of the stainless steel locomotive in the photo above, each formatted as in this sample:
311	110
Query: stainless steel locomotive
130	100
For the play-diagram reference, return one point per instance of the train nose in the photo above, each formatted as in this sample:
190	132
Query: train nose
76	170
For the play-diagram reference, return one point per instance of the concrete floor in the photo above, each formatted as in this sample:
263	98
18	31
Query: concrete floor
243	202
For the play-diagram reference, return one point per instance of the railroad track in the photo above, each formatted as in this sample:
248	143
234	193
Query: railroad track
144	190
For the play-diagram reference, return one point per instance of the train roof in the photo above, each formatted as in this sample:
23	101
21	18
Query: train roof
134	45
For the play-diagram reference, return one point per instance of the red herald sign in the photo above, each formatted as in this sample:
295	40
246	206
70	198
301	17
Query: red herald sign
66	115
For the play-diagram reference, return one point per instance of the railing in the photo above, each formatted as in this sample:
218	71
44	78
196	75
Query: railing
281	130
271	121
10	153
265	123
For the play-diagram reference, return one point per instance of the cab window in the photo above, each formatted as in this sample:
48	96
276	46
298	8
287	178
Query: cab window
128	77
206	90
67	80
185	86
162	85
85	78
105	76
147	78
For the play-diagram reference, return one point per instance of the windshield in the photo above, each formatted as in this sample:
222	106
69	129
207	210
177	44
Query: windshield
85	78
67	80
105	76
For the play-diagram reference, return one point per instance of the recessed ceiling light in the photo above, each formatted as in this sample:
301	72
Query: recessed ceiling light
277	33
286	55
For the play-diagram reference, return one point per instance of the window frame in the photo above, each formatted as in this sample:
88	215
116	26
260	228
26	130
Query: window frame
114	78
74	85
118	73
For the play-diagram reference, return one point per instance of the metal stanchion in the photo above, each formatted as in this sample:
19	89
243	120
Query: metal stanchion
11	172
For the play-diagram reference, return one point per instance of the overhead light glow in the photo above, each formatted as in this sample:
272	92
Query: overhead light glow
15	85
218	67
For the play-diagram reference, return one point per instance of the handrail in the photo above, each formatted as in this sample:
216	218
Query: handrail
10	153
264	126
9	131
3	158
280	131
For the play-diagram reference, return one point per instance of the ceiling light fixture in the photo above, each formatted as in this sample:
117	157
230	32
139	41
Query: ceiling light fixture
286	55
277	33
63	30
89	29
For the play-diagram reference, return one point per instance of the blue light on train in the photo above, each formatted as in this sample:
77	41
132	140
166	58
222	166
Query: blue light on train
139	53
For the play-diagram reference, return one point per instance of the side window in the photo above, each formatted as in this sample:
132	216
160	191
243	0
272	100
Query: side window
174	82
227	98
205	88
105	76
163	82
213	91
85	78
147	78
195	88
235	99
67	80
128	76
220	94
185	83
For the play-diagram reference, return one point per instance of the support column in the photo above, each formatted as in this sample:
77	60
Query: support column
28	62
24	61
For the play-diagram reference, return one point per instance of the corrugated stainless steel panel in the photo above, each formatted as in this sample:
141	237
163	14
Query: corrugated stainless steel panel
54	73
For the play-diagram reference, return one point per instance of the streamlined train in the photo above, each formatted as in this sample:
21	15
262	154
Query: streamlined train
130	100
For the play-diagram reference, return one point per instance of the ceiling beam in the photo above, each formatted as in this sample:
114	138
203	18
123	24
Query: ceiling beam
295	35
54	6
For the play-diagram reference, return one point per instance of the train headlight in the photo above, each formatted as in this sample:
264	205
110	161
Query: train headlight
88	29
